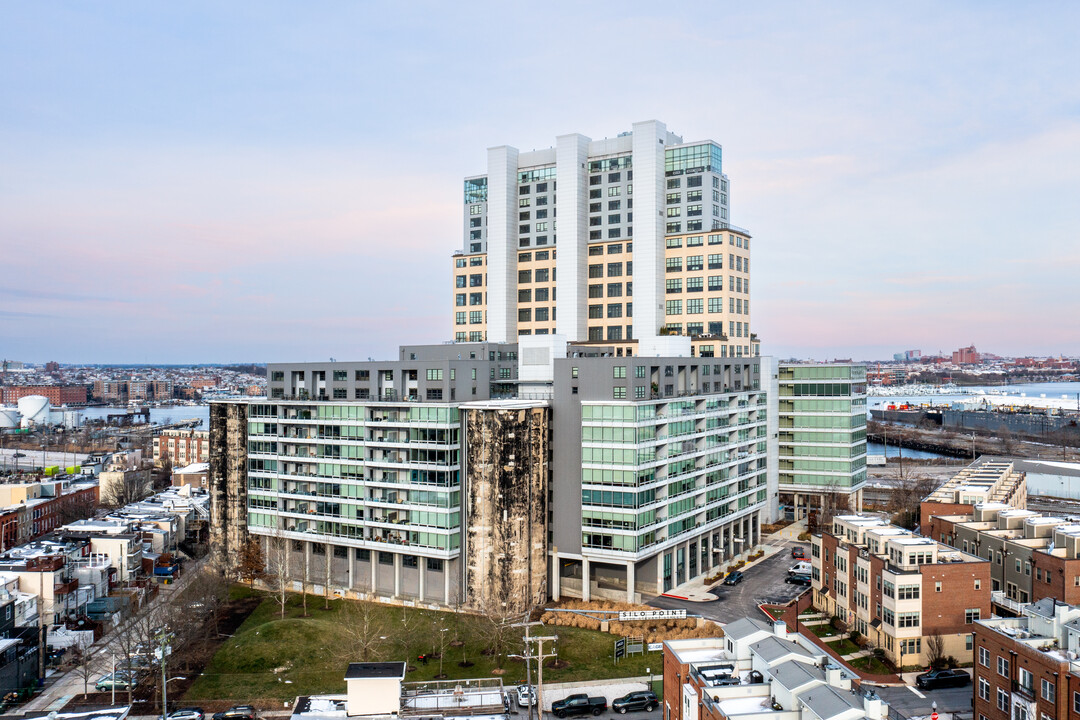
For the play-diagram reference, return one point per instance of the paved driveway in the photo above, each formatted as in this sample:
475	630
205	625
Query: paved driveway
763	583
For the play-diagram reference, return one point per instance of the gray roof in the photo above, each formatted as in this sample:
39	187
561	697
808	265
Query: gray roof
828	702
375	670
745	627
773	648
794	674
1044	608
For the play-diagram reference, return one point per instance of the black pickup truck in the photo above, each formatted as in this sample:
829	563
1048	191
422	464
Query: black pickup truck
580	704
942	679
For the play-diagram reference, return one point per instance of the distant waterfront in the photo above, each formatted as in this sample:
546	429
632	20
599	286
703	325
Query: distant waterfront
1028	390
158	415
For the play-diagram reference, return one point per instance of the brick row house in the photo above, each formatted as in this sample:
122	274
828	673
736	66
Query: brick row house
1026	667
898	589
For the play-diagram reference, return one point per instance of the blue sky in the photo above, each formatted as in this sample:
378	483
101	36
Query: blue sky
186	182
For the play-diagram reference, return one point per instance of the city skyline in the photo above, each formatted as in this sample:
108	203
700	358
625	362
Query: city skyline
250	184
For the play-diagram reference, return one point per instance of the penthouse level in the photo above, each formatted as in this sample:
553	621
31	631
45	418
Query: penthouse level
437	476
898	589
986	480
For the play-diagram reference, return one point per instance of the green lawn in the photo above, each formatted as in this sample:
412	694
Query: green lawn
822	631
872	665
844	647
311	653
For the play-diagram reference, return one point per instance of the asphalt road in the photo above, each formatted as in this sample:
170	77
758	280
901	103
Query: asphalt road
763	583
906	700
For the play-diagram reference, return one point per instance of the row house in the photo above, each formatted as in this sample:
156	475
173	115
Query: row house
986	480
759	670
899	589
1027	667
1032	556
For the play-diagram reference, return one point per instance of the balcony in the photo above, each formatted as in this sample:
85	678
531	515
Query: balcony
1028	693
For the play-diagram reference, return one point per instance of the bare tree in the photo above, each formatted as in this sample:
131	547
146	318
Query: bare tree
277	568
86	665
935	650
365	629
328	575
907	496
128	487
495	628
250	564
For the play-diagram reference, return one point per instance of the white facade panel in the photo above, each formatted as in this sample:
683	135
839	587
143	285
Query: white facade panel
502	244
571	206
648	154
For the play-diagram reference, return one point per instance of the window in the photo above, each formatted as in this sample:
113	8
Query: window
695	284
524	315
984	657
674	264
596	271
618	393
614	310
614	290
1002	666
695	306
695	262
674	285
542	314
476	317
618	371
434	564
1076	702
614	269
542	294
596	291
674	307
596	311
1002	700
1049	690
614	191
984	689
971	615
543	275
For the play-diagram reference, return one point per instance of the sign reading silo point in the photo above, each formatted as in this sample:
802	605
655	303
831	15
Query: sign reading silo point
626	615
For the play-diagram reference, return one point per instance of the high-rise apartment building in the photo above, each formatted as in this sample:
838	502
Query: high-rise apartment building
552	246
822	437
472	474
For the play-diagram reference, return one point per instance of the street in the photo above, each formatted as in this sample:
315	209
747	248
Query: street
907	700
764	583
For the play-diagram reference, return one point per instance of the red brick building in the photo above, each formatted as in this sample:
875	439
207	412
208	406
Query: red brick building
1025	667
898	589
57	394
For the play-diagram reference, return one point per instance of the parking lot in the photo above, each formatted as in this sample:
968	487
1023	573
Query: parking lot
763	583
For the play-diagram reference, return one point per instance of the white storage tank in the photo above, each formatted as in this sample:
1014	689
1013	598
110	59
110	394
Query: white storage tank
9	418
34	410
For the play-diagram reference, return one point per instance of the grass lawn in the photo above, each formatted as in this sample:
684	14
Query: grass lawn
822	631
871	665
844	647
311	653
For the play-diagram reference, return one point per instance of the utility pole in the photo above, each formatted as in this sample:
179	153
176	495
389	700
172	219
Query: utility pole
527	657
540	658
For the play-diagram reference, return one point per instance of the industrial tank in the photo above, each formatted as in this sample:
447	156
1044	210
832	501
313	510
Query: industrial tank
34	410
9	418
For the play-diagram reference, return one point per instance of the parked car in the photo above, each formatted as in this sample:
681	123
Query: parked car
238	712
580	704
798	552
191	713
797	579
526	696
642	700
115	681
942	679
733	578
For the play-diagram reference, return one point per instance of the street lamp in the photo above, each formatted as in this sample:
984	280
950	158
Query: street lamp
164	686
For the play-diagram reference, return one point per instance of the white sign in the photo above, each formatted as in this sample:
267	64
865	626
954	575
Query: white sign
656	647
626	615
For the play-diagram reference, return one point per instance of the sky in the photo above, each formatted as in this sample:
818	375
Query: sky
269	181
